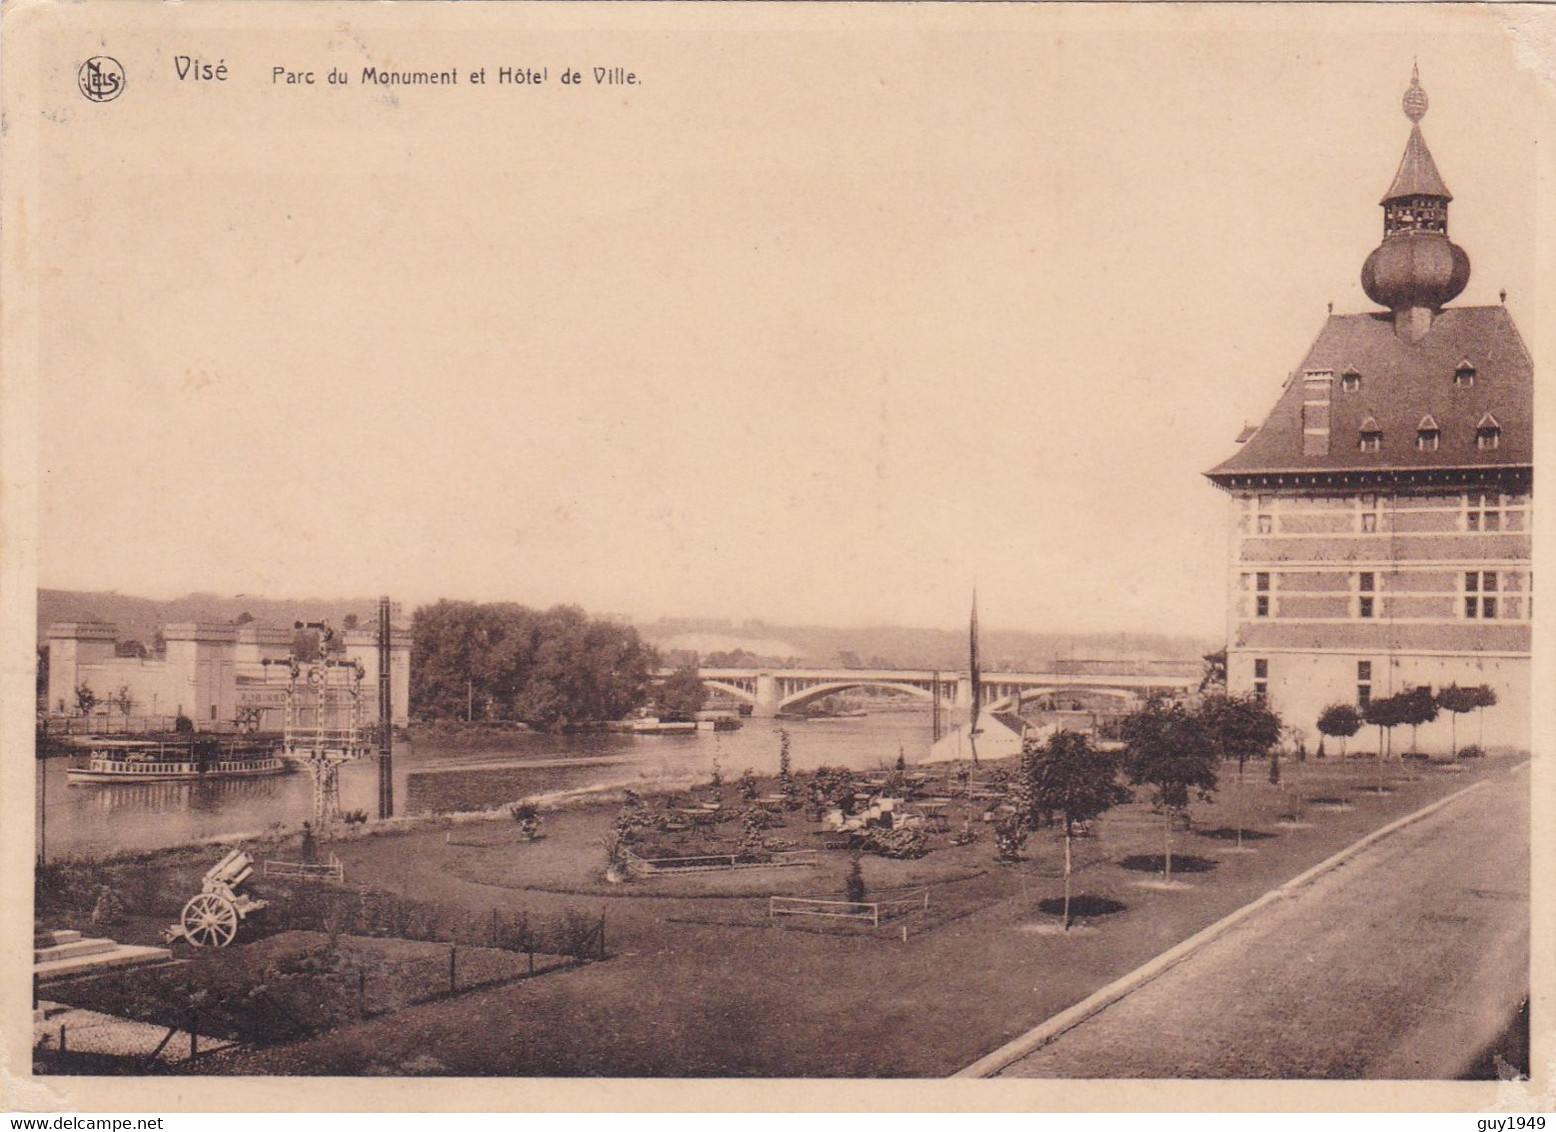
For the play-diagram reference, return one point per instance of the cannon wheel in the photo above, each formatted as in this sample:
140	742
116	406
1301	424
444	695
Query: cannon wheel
210	920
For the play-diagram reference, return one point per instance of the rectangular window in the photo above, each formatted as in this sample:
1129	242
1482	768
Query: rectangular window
1364	682
1261	582
1363	694
1262	606
1371	441
1483	511
1365	581
1426	440
1261	670
1480	589
1261	690
1364	671
1266	524
1365	607
1369	522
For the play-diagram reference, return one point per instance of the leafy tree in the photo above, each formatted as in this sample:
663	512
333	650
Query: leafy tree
1386	713
1417	706
42	676
1166	748
350	621
1456	701
508	662
1070	777
1339	721
86	699
681	695
243	618
1241	728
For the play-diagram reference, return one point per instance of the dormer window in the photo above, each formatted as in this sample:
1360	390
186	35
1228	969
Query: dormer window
1464	373
1350	381
1488	433
1428	434
1371	436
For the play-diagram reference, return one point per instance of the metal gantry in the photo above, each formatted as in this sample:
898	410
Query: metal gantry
325	720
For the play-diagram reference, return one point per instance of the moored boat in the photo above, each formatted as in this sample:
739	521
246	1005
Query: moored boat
133	760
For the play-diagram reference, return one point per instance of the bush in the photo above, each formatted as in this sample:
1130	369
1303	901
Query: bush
1473	751
900	844
748	785
1010	834
183	725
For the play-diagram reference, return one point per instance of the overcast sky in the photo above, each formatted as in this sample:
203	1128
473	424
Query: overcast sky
830	319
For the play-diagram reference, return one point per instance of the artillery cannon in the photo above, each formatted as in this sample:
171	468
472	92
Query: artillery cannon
211	918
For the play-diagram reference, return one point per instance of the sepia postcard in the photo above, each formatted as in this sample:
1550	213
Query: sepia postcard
828	557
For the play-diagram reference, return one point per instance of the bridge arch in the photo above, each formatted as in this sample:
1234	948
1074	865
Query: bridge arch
745	695
801	698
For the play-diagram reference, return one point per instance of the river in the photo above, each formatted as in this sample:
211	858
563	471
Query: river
93	820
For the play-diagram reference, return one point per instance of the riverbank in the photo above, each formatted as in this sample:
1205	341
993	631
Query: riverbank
702	982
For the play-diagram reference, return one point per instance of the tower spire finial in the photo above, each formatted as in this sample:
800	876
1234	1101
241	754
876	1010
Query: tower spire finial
1415	102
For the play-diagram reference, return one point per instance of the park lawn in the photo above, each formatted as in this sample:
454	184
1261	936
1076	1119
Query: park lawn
702	984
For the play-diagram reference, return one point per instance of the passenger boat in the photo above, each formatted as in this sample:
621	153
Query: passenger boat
139	760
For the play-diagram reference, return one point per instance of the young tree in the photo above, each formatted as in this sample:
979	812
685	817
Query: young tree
124	702
1166	748
1241	728
1417	706
1339	721
1386	714
682	694
786	784
86	699
1456	701
1068	776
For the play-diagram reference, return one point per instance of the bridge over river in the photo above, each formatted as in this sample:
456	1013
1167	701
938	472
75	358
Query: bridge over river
771	691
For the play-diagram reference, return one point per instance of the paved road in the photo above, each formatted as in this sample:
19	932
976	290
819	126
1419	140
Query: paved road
1405	962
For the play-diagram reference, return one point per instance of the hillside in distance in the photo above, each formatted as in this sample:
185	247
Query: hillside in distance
888	646
137	618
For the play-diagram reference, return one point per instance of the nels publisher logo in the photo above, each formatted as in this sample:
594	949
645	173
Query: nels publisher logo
101	78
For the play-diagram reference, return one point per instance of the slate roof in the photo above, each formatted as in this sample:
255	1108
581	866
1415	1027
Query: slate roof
1401	382
1417	175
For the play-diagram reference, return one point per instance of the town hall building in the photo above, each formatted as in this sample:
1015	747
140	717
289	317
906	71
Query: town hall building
1380	516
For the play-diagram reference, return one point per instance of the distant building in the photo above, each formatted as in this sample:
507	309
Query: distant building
217	675
1381	514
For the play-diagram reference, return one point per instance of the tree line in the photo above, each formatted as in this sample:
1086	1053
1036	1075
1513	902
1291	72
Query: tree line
1170	749
507	662
1409	708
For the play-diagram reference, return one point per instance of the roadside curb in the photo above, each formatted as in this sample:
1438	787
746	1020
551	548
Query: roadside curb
1095	1003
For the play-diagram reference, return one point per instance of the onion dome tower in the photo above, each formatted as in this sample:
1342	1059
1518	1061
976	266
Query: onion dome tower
1417	269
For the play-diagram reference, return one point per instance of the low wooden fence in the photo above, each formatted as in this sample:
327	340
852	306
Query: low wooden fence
303	870
715	862
858	911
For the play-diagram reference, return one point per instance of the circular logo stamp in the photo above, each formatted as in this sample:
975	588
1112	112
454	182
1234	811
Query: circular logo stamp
101	78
